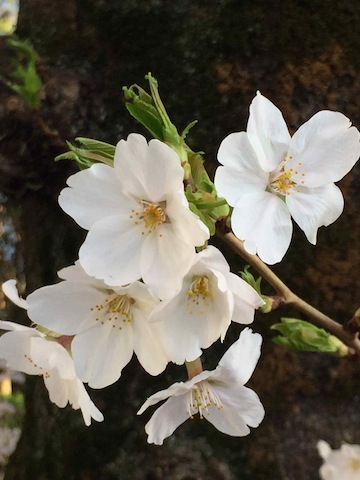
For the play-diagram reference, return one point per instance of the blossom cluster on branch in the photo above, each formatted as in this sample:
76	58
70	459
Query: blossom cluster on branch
147	281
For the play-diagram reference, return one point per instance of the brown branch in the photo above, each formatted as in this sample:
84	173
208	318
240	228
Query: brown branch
290	298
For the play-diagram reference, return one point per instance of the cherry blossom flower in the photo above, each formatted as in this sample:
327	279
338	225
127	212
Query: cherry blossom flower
202	310
139	221
109	324
341	464
219	395
269	177
28	350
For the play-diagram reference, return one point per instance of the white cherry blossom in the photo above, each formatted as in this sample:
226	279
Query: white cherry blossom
269	177
109	324
139	221
219	396
200	313
341	464
27	350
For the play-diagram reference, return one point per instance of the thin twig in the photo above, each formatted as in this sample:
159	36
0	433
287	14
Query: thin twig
288	297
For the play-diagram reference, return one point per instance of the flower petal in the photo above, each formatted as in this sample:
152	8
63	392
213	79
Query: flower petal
186	324
166	419
312	208
92	192
147	346
10	290
240	360
65	307
241	407
112	250
325	148
263	221
268	133
246	299
114	348
242	172
165	259
147	171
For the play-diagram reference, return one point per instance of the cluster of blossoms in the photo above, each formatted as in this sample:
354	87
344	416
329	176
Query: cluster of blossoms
341	464
147	281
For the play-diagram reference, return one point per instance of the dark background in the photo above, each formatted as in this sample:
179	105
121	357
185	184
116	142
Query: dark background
210	58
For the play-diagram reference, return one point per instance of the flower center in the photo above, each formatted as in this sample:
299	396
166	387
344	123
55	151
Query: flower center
355	464
150	215
282	184
282	181
201	397
199	293
115	309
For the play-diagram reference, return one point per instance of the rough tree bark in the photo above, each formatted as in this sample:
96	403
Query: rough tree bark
210	58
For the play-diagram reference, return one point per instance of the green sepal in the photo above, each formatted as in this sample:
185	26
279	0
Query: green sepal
91	151
204	217
250	279
208	207
141	106
300	335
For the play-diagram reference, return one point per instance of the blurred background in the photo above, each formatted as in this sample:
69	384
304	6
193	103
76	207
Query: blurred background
210	58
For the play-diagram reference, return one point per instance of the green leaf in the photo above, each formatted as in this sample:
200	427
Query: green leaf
28	84
146	117
93	151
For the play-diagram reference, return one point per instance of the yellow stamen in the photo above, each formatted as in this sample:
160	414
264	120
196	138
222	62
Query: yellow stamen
200	291
201	397
152	214
116	309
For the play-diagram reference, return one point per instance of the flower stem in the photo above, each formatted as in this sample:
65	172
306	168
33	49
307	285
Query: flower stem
290	298
218	203
194	368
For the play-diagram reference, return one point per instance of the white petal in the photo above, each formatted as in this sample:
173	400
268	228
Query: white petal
51	355
111	251
186	225
65	307
62	392
327	148
147	171
246	299
76	274
10	290
242	172
312	208
324	449
176	389
267	133
92	192
263	221
166	420
4	325
58	388
165	259
241	407
101	353
15	349
147	346
240	360
189	324
80	399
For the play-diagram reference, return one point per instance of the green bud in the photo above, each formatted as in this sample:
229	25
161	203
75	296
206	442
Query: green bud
271	303
90	152
300	335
